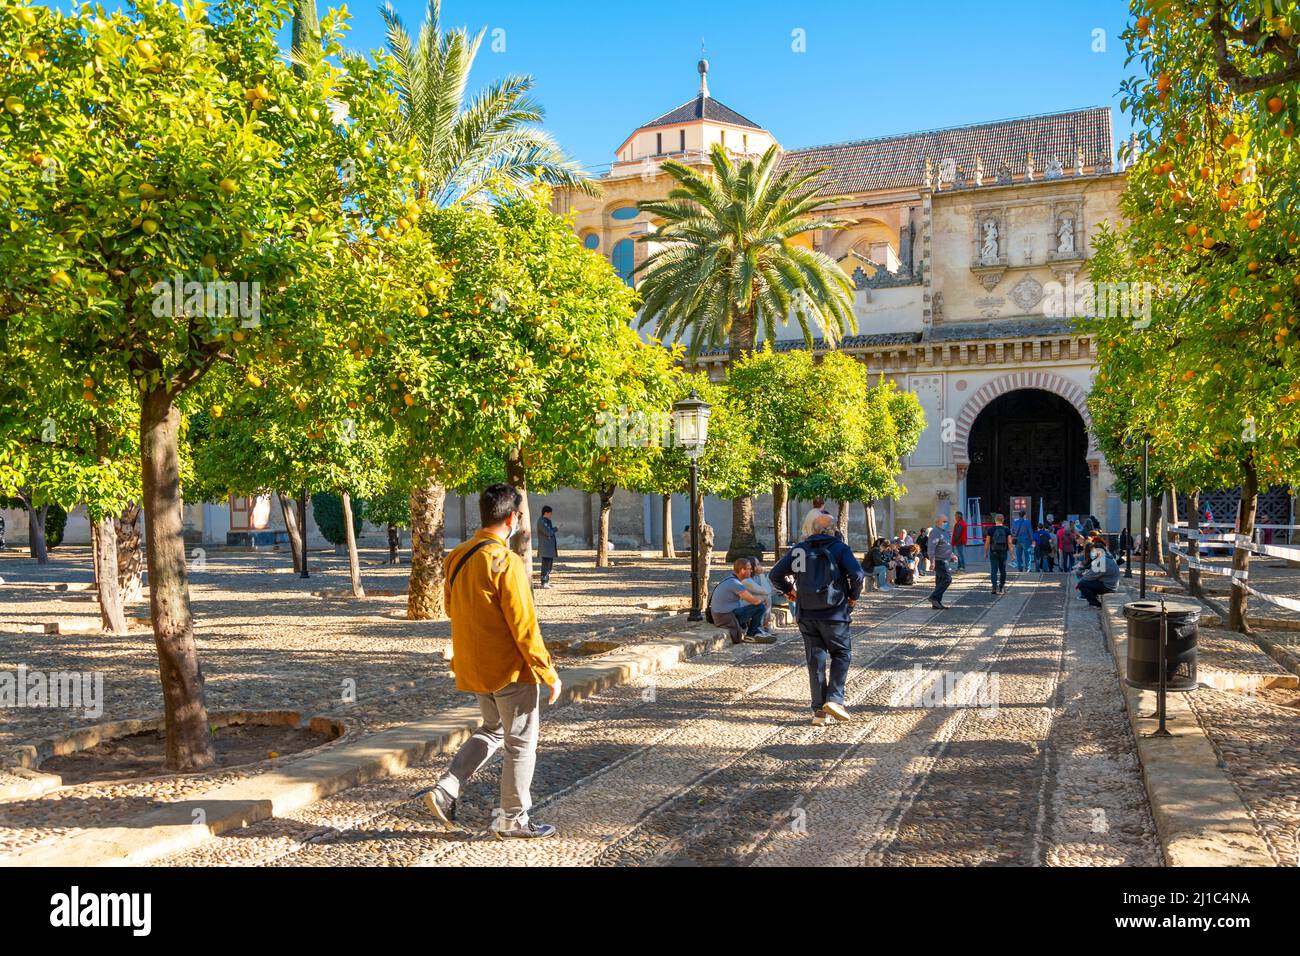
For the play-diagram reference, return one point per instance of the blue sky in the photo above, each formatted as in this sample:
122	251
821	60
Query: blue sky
867	69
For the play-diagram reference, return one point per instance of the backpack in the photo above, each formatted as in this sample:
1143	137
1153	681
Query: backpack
819	585
999	537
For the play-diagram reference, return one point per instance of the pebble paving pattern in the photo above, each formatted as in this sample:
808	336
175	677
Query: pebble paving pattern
714	762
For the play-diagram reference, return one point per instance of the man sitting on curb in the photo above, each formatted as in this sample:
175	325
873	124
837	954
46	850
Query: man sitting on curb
738	609
1102	577
823	577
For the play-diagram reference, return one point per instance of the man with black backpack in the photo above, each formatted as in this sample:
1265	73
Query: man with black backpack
824	579
997	543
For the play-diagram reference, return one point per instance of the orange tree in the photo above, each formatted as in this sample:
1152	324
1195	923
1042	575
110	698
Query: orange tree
69	441
633	424
184	150
728	468
1213	229
518	336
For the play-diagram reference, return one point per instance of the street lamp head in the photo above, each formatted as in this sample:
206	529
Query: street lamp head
691	423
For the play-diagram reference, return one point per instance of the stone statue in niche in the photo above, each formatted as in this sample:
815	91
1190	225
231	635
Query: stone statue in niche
936	308
1065	236
989	248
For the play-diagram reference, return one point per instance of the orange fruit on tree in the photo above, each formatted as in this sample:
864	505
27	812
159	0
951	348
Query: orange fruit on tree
1275	104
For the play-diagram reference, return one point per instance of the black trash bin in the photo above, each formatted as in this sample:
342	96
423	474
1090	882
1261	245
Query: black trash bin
1144	645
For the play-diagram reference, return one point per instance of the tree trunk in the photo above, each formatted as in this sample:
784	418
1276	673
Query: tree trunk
1154	530
1194	543
842	521
1240	556
464	519
36	533
394	543
1171	510
588	522
870	508
602	547
522	543
354	562
291	526
302	533
744	543
130	562
670	548
424	598
780	530
103	539
697	542
189	742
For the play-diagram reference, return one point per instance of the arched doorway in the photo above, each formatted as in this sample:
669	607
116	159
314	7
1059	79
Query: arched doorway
1029	442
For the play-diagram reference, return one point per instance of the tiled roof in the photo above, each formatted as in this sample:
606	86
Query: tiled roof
891	162
702	107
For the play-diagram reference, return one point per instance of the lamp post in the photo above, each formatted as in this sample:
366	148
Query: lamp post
1146	543
1128	514
691	423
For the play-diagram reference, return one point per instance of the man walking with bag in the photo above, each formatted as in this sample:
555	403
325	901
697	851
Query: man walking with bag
997	543
497	654
824	579
940	554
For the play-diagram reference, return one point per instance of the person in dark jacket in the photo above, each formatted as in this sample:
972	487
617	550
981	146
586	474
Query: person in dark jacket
547	549
825	631
1102	577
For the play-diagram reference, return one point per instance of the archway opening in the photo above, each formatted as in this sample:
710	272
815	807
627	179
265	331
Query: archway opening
1029	443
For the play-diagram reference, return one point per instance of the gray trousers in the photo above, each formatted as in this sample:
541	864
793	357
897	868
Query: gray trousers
510	722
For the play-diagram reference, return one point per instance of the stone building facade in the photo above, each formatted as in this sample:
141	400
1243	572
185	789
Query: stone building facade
962	244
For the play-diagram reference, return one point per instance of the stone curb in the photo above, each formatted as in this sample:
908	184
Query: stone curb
188	823
1200	818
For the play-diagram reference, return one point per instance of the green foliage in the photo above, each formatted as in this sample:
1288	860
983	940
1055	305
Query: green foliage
729	467
392	506
726	265
56	521
327	508
1213	226
822	428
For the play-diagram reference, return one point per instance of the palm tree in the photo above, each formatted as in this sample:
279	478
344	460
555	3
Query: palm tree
470	147
726	268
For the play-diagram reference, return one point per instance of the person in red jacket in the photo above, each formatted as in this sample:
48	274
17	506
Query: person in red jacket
959	540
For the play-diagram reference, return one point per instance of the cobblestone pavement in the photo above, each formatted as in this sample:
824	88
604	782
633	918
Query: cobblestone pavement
714	761
266	643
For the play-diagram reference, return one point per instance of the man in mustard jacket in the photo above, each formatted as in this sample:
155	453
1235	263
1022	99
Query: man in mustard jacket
497	654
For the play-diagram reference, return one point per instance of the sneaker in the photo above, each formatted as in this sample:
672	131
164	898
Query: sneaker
821	720
835	710
528	831
439	803
938	605
762	637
